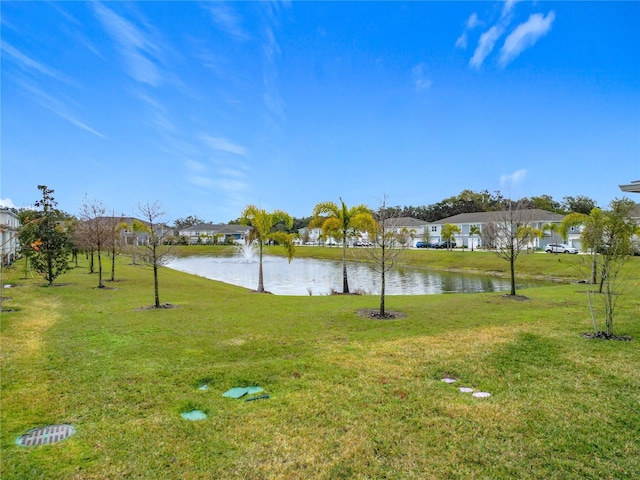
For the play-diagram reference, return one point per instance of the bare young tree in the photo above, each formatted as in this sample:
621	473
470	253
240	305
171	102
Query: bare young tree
389	240
158	252
508	234
115	243
95	230
616	250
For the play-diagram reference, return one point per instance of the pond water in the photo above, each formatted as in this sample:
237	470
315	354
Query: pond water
306	276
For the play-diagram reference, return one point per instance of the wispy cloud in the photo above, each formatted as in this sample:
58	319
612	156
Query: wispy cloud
419	78
472	22
485	45
508	7
227	181
227	20
157	112
6	202
29	64
58	107
138	50
272	99
522	37
525	35
223	145
515	177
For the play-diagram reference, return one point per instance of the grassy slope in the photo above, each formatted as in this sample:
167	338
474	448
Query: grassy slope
350	397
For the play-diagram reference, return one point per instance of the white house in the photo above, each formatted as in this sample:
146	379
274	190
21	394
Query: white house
9	226
208	233
536	218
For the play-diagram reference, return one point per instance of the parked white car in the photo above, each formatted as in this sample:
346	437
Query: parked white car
560	248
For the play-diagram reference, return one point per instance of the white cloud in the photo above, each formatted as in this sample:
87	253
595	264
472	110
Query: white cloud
135	46
485	45
419	77
194	166
227	20
230	185
200	181
508	6
58	107
461	41
515	177
29	63
525	35
472	21
223	145
6	202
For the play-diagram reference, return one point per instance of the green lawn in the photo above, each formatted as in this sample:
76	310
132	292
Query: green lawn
350	397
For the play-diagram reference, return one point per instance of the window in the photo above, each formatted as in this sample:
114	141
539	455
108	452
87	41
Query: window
434	228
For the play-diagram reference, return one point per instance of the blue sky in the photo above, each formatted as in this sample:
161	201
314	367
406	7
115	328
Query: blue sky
207	107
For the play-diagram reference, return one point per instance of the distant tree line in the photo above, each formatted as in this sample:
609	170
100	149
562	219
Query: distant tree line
469	201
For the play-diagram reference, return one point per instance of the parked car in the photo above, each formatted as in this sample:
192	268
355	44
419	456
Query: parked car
363	244
560	248
445	244
424	245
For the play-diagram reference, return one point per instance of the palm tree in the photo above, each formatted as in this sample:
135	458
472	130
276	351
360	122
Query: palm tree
528	234
345	221
552	228
474	230
448	233
262	223
591	236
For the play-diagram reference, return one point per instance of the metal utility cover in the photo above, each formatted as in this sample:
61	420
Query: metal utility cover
46	435
237	392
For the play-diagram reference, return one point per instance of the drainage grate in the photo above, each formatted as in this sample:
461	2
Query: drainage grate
46	435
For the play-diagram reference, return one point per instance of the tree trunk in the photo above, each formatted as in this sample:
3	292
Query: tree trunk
100	284
155	277
260	276
513	276
50	269
113	265
382	285
345	282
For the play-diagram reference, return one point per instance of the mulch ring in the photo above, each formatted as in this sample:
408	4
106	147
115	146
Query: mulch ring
606	336
153	307
375	314
515	298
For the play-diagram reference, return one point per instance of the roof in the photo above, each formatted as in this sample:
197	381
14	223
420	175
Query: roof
217	228
631	187
535	215
409	222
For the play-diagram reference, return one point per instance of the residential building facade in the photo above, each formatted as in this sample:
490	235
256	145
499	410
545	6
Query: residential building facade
9	226
207	233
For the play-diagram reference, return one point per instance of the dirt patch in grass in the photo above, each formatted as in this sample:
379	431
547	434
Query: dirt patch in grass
605	336
165	306
375	314
515	298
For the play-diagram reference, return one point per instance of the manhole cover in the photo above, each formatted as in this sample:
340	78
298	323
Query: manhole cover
46	435
194	415
481	394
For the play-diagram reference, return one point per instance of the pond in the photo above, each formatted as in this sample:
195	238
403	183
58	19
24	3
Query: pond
307	276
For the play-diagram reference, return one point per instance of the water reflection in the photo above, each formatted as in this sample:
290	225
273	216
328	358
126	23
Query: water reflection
306	276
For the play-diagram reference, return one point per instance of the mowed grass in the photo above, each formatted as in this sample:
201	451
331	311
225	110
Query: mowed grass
350	397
